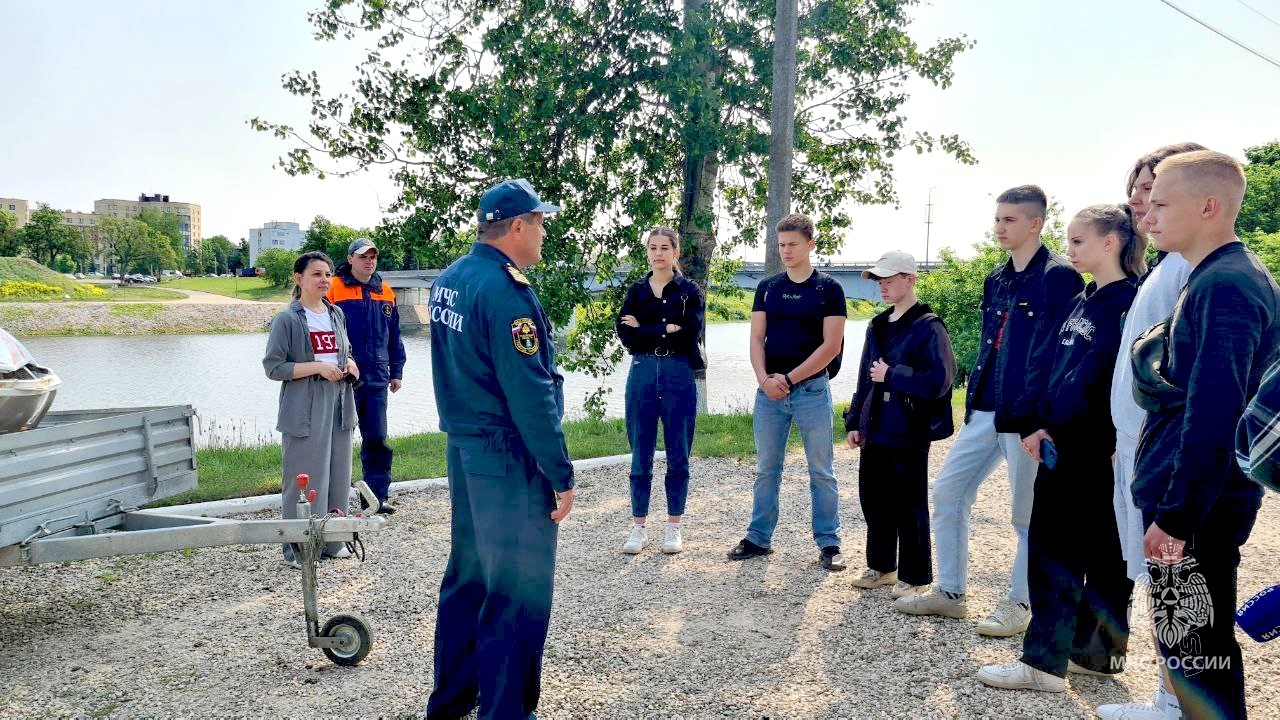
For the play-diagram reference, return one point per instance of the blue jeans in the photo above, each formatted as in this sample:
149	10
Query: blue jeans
809	407
974	455
660	388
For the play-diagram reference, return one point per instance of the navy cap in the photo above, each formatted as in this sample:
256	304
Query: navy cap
360	246
511	198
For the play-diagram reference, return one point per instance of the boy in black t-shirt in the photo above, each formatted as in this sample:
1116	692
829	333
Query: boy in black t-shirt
797	326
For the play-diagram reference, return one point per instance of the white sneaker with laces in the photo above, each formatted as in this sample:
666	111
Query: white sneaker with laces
1018	675
635	543
902	589
1158	709
672	543
1009	618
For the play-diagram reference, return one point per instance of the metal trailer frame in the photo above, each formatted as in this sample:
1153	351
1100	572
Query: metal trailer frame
71	490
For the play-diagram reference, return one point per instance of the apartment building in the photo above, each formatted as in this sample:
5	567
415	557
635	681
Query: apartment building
278	235
188	213
20	208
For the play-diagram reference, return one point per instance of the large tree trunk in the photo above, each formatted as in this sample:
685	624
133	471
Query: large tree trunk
701	172
782	128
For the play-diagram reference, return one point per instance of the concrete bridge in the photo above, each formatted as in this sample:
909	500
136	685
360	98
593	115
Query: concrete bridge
413	286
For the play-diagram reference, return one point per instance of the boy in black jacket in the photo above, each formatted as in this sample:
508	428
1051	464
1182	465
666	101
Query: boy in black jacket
1024	302
1196	502
903	402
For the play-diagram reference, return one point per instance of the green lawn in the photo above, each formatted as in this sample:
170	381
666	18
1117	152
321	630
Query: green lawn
248	288
242	472
25	270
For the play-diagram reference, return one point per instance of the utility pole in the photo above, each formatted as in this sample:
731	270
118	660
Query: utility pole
928	225
782	121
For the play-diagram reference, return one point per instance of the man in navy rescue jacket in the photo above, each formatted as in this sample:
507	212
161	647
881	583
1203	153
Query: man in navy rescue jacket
373	326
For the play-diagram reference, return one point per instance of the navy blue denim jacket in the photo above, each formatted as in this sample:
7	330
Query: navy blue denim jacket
1037	300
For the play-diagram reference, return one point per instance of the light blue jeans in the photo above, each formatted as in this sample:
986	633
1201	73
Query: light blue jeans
974	455
809	407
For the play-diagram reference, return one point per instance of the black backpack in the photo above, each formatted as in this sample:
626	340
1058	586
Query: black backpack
935	415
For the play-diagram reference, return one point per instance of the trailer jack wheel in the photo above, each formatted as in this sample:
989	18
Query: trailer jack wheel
354	637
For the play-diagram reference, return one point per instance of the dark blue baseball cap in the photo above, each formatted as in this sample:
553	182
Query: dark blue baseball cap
511	198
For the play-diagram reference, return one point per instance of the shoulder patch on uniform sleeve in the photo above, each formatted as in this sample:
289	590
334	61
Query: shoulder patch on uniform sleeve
524	335
516	275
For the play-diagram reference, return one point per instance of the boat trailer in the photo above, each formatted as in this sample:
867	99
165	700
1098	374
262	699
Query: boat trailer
72	488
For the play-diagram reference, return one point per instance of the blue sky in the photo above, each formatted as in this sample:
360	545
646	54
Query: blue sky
116	99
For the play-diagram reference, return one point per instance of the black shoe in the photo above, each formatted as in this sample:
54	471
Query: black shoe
386	508
747	549
831	558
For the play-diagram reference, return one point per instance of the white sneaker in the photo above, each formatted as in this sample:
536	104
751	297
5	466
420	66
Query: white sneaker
871	579
902	589
1009	618
635	543
1158	709
342	553
672	543
1018	675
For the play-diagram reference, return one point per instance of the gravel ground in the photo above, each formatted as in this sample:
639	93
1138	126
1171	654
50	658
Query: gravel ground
218	632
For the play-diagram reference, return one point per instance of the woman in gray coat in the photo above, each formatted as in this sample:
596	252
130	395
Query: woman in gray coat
308	352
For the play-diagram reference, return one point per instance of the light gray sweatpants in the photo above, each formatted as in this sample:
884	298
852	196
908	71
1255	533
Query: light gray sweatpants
324	455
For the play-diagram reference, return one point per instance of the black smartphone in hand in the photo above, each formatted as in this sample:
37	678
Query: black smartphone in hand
1048	453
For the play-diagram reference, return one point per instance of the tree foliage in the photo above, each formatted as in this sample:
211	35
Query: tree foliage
628	113
10	241
134	245
1261	209
277	266
47	235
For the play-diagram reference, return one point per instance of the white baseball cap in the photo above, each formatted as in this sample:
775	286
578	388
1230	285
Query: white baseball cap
890	264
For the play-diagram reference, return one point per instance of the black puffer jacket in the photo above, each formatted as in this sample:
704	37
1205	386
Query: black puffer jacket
922	368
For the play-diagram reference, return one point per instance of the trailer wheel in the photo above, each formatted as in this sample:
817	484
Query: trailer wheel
355	636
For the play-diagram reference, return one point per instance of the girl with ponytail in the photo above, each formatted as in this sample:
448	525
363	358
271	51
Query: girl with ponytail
1076	575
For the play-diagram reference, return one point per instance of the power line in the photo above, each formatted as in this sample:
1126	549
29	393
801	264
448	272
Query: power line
1259	13
1218	32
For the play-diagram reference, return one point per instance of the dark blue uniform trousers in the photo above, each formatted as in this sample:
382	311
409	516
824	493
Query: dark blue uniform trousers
495	598
375	456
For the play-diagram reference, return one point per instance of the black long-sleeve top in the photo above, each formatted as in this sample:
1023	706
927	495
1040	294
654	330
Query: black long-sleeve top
1076	407
681	304
1225	333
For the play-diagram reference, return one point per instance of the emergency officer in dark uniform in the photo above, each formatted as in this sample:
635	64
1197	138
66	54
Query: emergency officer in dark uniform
373	324
500	401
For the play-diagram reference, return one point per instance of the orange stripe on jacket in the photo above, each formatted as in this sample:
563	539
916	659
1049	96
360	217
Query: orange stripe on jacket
340	291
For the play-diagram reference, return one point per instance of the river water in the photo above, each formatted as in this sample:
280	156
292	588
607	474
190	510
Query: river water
222	377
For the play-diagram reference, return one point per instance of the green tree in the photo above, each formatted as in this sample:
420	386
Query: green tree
629	114
217	252
239	257
1261	209
168	226
135	246
47	235
278	265
10	242
331	238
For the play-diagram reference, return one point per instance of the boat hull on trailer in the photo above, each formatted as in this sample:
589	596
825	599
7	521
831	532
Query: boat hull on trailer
27	388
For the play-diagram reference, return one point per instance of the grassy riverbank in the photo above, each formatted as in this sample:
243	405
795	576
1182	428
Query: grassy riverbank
245	288
245	471
25	280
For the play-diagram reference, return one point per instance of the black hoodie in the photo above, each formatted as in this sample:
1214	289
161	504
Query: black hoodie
1076	407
